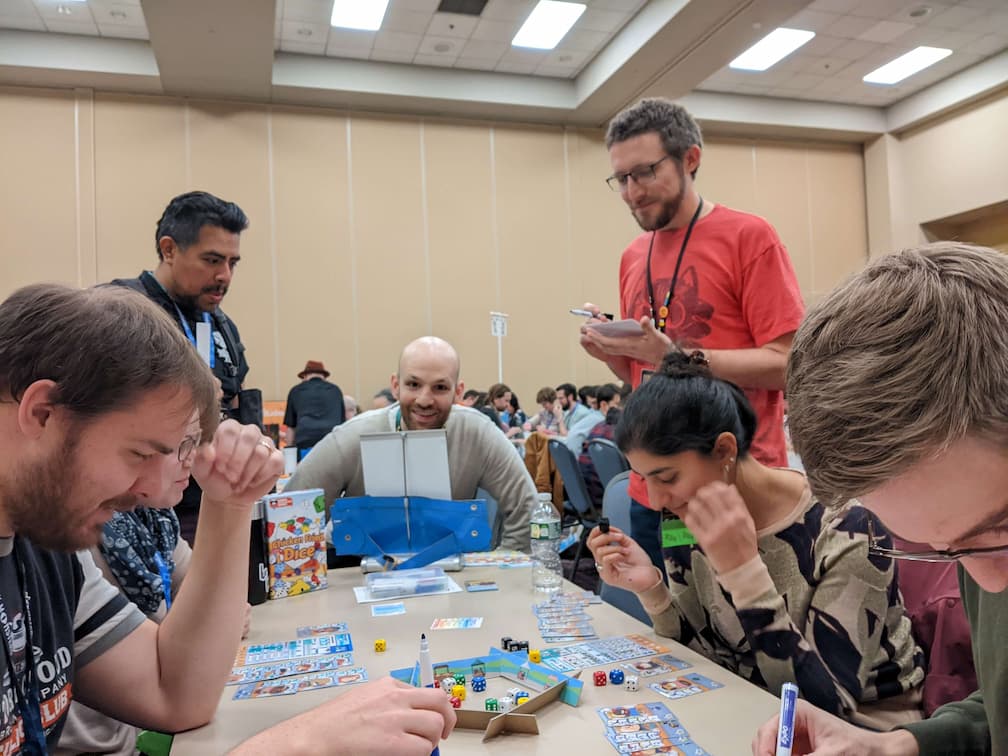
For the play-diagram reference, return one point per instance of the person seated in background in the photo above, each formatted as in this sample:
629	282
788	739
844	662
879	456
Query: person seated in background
383	398
609	404
573	410
314	407
479	456
606	396
587	396
142	554
500	397
470	398
550	417
349	407
518	416
768	582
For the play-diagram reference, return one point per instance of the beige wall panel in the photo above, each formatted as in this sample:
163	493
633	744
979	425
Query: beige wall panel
393	304
988	232
727	174
782	198
229	154
601	228
316	316
957	164
463	257
837	214
38	194
140	154
542	283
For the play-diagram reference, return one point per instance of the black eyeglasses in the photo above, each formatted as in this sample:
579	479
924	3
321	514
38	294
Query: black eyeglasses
876	548
187	448
641	176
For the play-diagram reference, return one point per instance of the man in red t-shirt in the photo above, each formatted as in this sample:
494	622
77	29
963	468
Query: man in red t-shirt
702	276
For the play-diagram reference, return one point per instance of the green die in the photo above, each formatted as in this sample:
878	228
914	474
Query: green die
460	678
491	704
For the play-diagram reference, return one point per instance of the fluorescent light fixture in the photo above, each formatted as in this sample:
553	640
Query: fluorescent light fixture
907	65
547	24
775	46
359	14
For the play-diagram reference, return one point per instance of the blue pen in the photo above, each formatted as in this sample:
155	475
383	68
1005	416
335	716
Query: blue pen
785	729
165	573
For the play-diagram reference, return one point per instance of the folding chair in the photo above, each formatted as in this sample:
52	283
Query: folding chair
577	494
616	506
608	459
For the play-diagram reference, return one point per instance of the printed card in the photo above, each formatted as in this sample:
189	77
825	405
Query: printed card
263	672
387	610
476	586
457	623
658	665
615	716
685	686
310	631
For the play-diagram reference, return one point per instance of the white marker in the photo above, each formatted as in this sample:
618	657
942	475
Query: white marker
785	729
426	666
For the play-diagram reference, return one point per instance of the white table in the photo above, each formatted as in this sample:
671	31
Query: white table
721	721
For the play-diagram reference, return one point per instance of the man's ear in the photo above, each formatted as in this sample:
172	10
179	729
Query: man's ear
168	248
37	407
459	390
394	385
691	159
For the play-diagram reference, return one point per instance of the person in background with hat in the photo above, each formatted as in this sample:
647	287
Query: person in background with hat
314	407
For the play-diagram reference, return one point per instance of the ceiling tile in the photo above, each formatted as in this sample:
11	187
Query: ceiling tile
584	39
804	81
401	42
910	8
484	49
831	6
854	49
304	32
18	8
984	4
955	18
117	13
517	68
498	31
60	11
994	22
391	56
441	61
406	21
28	23
876	8
822	44
524	55
447	46
452	25
850	27
426	6
823	66
313	11
989	45
508	10
626	6
121	31
886	31
304	48
601	20
557	72
811	20
476	64
566	58
72	27
349	40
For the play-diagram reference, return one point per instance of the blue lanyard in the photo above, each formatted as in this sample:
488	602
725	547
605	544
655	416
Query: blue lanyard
165	571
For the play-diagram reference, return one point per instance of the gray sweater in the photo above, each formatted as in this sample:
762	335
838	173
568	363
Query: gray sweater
479	456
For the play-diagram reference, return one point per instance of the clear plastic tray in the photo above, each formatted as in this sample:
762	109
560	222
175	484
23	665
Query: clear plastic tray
397	583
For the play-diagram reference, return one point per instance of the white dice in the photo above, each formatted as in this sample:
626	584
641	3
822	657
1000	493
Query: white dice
630	683
506	703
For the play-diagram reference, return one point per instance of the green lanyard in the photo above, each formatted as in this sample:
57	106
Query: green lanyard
675	533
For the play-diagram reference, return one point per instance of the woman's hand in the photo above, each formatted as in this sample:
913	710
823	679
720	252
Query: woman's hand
621	562
718	518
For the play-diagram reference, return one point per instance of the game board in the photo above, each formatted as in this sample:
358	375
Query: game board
601	652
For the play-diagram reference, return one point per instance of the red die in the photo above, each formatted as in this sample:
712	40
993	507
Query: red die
456	702
600	678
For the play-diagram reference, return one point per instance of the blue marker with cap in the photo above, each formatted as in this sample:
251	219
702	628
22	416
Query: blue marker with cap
785	728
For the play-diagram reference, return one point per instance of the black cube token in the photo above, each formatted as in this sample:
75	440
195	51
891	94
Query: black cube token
603	525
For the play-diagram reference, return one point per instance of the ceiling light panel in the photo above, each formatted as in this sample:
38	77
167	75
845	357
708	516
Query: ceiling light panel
359	14
907	65
773	48
547	24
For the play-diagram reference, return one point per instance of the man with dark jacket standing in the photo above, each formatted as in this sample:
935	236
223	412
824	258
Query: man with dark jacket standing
197	242
314	407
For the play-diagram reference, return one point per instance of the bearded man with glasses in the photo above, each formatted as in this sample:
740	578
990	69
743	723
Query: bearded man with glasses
702	276
898	394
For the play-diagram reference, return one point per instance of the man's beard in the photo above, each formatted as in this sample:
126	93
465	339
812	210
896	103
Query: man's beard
669	208
36	502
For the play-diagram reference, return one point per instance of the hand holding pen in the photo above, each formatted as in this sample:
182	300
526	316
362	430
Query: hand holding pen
591	311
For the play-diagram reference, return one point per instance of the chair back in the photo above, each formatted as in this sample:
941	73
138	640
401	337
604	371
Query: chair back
574	483
616	507
607	458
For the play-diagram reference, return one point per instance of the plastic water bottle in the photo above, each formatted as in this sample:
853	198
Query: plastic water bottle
544	523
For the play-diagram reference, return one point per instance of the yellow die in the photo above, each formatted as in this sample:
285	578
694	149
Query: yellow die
535	655
379	645
520	700
459	692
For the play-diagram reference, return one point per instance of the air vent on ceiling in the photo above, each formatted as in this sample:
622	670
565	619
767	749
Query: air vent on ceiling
465	7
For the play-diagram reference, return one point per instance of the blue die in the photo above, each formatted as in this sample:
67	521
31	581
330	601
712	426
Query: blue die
616	676
479	684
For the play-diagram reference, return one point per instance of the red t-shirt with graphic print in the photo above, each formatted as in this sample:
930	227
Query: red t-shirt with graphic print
737	289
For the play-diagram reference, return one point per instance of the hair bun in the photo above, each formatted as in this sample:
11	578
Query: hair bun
680	364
